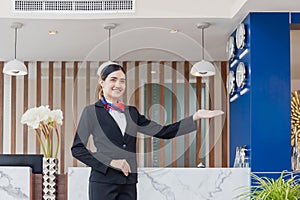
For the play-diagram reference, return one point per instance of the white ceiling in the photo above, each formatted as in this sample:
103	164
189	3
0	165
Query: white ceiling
143	35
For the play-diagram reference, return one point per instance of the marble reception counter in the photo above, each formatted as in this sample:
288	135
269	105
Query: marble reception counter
172	183
15	183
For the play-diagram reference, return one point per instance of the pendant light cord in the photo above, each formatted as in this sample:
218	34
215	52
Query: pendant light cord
202	43
16	32
109	50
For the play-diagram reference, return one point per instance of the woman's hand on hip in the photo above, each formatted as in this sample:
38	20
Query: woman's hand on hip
122	165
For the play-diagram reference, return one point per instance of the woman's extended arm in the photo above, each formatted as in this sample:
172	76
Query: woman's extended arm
181	127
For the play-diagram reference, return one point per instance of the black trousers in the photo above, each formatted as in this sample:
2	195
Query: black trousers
106	191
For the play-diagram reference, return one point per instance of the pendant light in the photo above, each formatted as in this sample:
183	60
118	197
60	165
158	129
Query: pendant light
15	67
108	27
203	68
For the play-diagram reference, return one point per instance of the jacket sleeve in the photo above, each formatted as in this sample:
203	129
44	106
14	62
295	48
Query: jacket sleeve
79	150
151	128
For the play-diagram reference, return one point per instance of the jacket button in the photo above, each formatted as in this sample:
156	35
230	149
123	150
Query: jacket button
124	146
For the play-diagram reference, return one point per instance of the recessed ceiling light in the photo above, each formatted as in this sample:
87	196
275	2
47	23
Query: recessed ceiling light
52	32
153	72
173	31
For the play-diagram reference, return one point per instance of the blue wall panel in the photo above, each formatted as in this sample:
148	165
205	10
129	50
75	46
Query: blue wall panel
270	66
295	18
263	113
240	109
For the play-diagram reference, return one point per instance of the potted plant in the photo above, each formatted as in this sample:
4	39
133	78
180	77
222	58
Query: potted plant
286	187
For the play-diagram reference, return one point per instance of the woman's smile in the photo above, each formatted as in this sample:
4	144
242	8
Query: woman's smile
114	86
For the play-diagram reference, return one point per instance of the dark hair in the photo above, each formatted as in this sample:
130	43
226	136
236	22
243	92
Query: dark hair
110	69
104	74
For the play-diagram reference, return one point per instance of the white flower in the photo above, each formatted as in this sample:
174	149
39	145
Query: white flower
32	118
56	116
43	120
43	112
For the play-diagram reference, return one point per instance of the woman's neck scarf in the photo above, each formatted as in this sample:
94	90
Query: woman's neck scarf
109	106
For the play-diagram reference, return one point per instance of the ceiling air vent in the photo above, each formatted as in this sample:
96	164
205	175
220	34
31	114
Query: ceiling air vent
111	6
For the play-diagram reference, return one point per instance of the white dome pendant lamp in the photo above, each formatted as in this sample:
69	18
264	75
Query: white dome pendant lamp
15	67
203	68
108	27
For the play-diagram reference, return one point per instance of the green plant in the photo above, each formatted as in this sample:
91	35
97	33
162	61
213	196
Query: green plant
264	188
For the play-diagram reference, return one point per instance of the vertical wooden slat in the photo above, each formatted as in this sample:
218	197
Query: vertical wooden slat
149	103
50	85
1	105
124	65
198	132
50	94
38	99
162	116
224	107
75	102
88	90
211	124
13	114
88	83
137	98
63	109
136	77
25	107
174	114
186	112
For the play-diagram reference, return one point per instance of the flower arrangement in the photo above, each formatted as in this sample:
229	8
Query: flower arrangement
44	120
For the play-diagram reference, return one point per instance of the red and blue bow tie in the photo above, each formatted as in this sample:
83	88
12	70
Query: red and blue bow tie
109	106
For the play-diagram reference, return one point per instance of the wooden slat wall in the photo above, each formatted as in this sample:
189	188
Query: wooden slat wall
211	125
198	131
38	98
75	102
88	83
13	115
25	107
65	156
186	112
63	109
224	95
149	103
50	94
174	112
137	97
162	116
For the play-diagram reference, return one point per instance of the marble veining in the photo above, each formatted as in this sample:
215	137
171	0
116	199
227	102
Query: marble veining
15	183
173	183
164	189
219	182
192	183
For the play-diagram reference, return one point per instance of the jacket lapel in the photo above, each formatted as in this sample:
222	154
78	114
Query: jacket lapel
107	123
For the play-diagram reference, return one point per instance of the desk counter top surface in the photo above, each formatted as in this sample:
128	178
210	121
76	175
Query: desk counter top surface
173	183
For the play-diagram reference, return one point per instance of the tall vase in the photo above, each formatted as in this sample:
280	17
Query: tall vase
50	169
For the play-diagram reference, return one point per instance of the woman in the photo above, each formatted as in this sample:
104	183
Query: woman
114	128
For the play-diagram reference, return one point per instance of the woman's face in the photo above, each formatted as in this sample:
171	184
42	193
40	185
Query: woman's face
114	85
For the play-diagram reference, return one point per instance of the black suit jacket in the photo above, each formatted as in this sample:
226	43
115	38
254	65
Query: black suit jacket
111	144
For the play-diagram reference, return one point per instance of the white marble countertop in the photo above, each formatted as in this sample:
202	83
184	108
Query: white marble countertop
15	183
173	183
